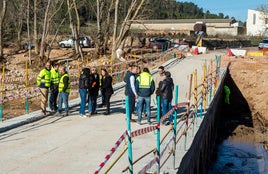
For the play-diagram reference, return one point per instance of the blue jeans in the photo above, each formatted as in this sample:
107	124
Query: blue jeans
83	97
166	106
147	101
63	98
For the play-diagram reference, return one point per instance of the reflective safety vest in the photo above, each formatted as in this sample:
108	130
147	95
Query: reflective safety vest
145	79
55	76
61	84
43	79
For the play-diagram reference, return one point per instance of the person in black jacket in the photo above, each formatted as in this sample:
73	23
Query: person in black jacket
166	89
84	84
107	89
93	91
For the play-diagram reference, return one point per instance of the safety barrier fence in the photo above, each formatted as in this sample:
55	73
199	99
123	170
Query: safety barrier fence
199	97
24	90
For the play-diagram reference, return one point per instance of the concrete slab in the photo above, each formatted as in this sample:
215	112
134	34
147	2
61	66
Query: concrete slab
36	144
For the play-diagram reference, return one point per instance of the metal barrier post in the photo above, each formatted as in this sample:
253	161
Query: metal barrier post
27	88
195	94
129	137
211	76
205	86
2	92
118	77
175	126
188	111
158	135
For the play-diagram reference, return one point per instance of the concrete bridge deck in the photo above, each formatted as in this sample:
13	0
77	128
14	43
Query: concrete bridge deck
77	145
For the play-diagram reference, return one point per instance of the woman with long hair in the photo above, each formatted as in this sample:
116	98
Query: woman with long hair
107	89
84	84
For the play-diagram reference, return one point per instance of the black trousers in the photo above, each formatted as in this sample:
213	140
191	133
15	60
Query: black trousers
107	102
53	97
131	100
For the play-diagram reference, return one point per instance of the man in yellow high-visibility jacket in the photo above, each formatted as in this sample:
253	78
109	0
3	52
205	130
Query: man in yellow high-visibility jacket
43	81
145	88
64	91
54	91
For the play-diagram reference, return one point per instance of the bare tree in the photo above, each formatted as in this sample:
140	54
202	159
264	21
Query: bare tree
264	17
74	26
36	49
16	14
45	30
52	8
120	28
28	30
132	13
2	16
100	19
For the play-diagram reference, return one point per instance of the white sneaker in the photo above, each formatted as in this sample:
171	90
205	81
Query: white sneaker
82	115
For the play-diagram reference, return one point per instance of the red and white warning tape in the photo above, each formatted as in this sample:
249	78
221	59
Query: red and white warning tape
144	130
149	165
20	95
113	149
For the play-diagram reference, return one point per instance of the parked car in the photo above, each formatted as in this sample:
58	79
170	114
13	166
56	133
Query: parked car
83	41
263	44
28	44
160	43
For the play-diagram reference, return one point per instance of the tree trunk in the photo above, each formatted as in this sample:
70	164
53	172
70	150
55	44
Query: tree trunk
100	36
73	26
2	16
107	26
115	29
131	15
77	16
36	43
19	26
45	31
28	30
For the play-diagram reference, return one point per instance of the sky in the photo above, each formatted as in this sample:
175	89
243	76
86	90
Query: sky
233	8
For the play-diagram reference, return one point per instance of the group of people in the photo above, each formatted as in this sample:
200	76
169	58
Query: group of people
55	78
139	88
89	84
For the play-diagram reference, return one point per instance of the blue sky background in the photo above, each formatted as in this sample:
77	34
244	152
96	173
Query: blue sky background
232	8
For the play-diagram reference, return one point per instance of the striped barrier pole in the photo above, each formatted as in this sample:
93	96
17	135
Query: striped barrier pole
144	130
148	166
112	150
158	135
130	160
175	126
27	88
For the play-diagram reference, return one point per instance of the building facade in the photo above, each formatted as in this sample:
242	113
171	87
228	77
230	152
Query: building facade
186	26
257	23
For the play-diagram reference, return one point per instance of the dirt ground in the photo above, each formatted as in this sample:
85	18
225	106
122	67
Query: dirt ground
250	74
15	69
